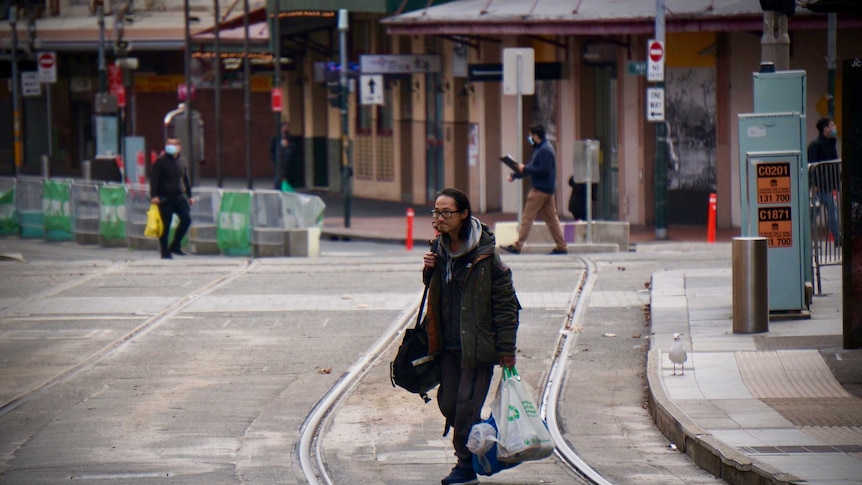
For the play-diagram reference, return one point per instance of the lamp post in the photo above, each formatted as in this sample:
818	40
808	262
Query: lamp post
346	163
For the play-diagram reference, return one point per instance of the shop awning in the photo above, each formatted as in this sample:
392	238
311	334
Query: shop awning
592	17
146	31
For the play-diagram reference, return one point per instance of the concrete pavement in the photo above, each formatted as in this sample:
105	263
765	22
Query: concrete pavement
754	408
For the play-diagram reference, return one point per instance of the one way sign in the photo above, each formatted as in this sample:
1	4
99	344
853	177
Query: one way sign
371	89
655	104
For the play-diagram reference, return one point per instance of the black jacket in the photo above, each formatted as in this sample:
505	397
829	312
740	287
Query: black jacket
489	307
822	149
169	177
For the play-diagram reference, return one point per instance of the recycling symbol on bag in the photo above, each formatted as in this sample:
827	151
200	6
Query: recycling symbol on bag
513	413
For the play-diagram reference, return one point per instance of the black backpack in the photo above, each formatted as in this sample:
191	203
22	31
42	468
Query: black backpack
413	369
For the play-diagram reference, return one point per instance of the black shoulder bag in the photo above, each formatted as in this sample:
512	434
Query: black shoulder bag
413	369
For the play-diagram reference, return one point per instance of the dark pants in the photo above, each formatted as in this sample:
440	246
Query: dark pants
168	207
460	397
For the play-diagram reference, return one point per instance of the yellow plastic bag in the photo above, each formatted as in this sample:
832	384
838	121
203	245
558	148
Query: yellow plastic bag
154	228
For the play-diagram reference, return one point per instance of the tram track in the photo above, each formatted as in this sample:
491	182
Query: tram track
311	454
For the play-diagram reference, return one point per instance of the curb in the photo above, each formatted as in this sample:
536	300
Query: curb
707	452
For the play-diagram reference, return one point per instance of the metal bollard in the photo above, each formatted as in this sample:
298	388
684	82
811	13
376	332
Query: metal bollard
750	285
86	174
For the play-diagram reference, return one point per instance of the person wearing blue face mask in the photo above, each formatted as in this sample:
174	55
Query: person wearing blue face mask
824	149
542	170
171	190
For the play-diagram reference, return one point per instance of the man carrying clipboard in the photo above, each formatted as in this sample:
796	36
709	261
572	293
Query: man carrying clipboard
542	170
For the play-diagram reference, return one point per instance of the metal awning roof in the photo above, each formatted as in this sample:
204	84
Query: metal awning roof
149	31
592	17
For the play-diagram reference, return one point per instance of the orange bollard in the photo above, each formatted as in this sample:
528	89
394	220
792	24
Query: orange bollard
141	168
410	215
710	227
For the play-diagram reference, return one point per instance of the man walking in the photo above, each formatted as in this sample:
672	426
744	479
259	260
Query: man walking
542	170
170	188
281	152
823	149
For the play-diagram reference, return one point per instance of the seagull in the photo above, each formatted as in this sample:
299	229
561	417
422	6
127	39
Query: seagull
677	354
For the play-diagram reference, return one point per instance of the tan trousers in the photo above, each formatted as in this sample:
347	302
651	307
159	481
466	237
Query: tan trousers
538	201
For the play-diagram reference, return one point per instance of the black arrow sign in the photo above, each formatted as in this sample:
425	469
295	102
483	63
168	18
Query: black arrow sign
371	85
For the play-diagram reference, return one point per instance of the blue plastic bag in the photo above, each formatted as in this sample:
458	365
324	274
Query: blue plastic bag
487	463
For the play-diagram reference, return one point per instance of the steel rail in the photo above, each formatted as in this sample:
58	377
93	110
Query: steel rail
311	457
554	386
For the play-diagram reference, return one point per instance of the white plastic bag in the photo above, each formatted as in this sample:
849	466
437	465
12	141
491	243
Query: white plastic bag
522	434
482	438
482	442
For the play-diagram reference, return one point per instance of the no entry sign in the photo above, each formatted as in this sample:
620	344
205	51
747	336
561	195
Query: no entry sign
47	67
655	61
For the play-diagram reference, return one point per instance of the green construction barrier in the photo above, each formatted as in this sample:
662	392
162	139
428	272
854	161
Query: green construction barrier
112	212
233	231
57	210
8	214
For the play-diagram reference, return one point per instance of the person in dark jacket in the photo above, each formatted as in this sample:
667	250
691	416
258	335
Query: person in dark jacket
824	149
578	198
281	153
170	188
542	170
472	319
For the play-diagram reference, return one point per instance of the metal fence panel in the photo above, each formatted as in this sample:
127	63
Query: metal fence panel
302	211
28	203
203	232
8	212
112	215
85	210
137	205
824	181
267	218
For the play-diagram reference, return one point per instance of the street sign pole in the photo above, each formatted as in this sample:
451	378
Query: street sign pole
519	78
660	143
520	136
48	111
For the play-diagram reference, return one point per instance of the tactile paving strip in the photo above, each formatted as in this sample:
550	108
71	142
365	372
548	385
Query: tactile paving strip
799	385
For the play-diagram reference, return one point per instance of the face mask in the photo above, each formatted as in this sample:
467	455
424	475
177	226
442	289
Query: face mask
171	149
833	133
530	140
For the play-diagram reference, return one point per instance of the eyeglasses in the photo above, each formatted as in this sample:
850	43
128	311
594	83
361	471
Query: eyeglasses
445	213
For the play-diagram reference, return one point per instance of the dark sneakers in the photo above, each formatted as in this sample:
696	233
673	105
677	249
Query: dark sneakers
512	249
460	476
559	251
178	252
